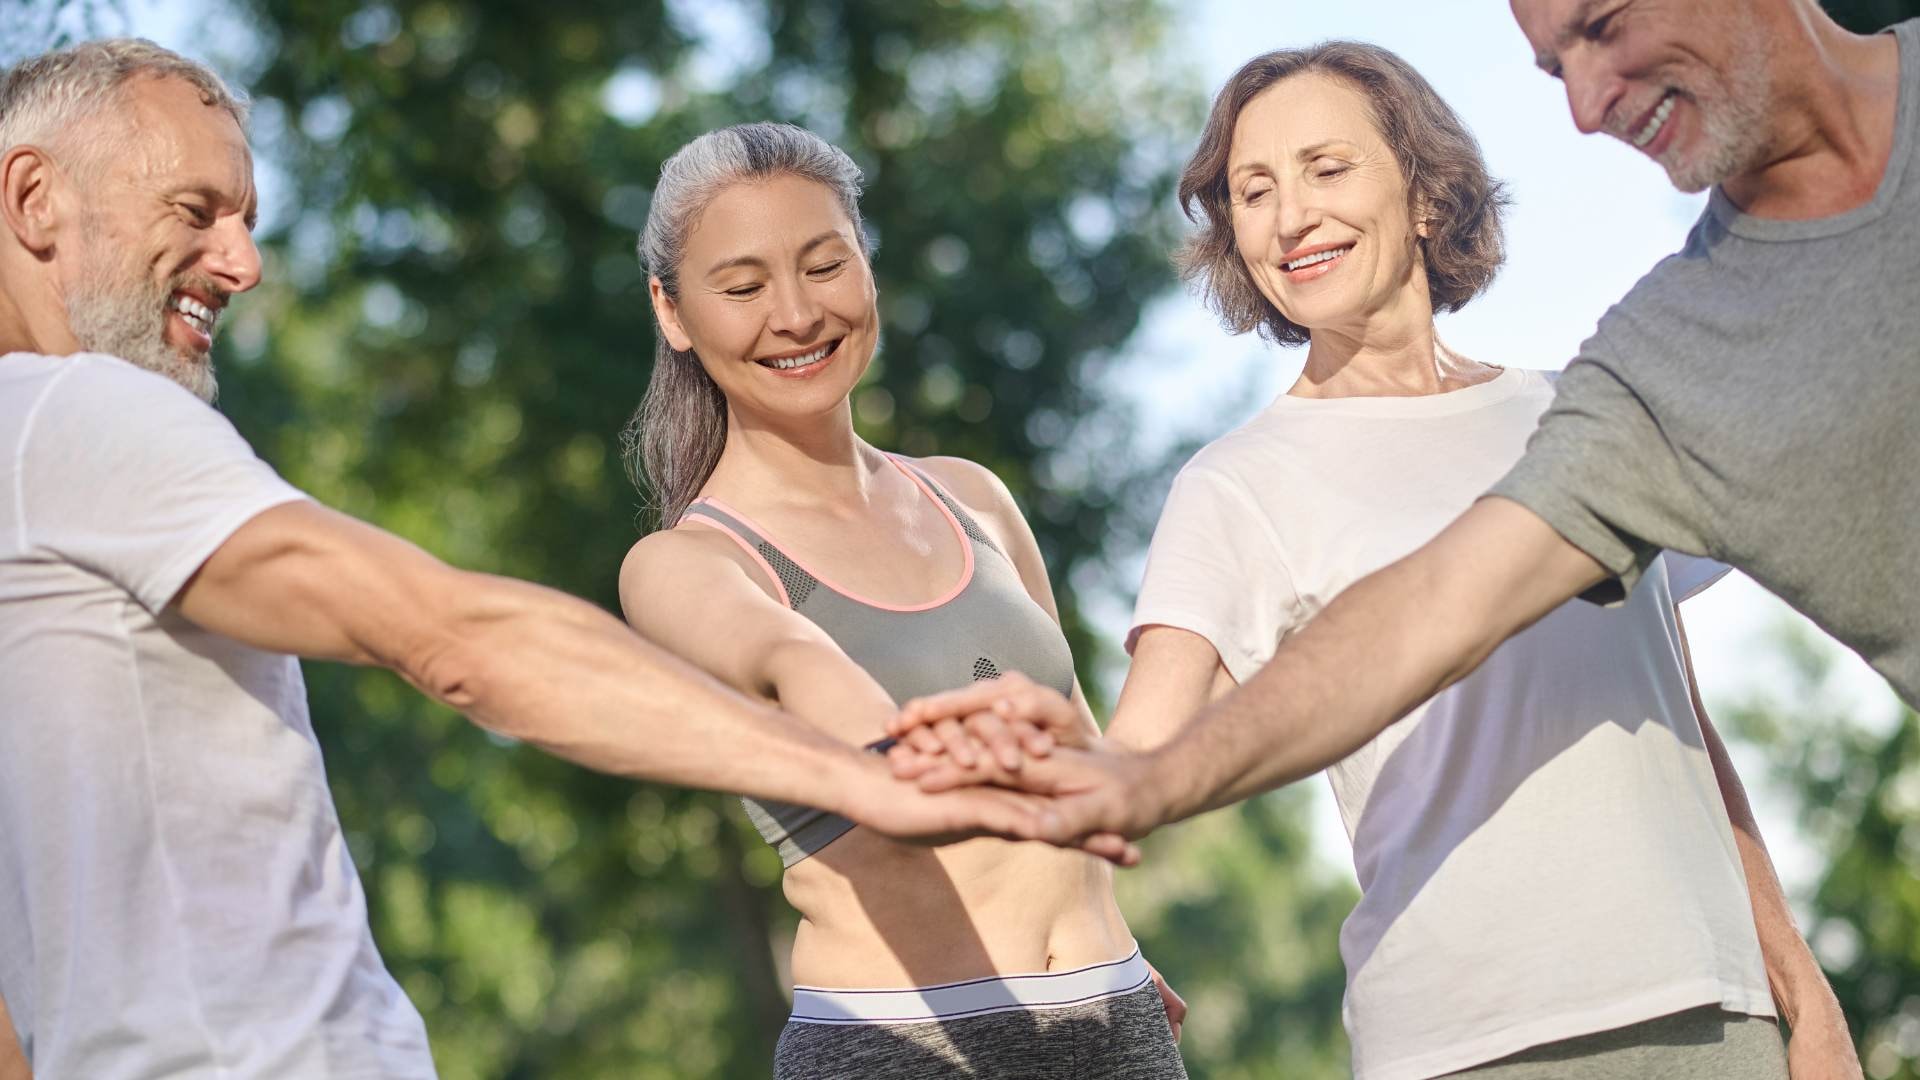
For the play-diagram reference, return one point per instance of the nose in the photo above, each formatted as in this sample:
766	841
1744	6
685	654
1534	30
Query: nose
796	312
1592	92
232	258
1295	217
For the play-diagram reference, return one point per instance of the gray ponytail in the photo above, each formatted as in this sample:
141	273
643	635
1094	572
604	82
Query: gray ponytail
674	440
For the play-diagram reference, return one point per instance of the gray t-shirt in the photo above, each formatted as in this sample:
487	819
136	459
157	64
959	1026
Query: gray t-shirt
1756	398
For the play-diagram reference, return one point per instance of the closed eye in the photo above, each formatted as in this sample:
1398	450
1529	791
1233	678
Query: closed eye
200	216
828	269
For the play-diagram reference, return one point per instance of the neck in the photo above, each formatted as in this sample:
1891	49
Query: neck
812	460
20	332
1403	361
1835	99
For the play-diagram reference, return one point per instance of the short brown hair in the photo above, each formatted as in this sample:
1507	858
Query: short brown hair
1438	157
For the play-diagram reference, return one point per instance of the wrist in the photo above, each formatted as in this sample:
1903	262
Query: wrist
832	776
1803	994
1171	791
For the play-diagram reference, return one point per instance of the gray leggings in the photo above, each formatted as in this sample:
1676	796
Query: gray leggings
1697	1043
1118	1038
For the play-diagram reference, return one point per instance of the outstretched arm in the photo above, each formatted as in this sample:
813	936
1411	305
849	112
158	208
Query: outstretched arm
1390	642
1821	1047
530	663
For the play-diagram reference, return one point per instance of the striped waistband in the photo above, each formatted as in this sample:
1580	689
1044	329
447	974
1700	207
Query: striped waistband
975	997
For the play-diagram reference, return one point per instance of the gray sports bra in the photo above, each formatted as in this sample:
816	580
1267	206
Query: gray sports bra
984	625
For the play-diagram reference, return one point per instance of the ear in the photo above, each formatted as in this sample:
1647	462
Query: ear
28	182
1422	219
665	310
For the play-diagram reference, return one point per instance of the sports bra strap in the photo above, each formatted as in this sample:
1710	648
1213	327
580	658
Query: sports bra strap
793	583
967	524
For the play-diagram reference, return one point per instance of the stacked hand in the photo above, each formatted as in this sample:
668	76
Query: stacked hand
1012	735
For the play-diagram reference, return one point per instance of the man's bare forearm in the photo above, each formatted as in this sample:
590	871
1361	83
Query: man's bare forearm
1388	643
559	673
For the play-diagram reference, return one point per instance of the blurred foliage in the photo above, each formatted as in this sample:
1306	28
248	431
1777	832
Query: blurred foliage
454	328
1854	776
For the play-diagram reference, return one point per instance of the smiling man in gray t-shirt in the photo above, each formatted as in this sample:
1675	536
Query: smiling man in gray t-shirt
1753	398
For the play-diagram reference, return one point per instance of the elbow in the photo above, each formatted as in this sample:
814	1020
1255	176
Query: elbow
452	650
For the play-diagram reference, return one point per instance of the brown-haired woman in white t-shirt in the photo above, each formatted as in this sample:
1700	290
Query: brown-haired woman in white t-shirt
1558	864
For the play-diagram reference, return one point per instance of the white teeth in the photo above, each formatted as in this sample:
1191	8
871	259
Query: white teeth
799	361
1655	122
198	315
1315	260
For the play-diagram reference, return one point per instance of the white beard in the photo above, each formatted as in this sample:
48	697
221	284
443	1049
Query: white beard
121	313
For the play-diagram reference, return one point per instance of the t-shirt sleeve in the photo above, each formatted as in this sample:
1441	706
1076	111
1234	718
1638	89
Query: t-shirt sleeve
1690	575
1600	470
127	475
1215	569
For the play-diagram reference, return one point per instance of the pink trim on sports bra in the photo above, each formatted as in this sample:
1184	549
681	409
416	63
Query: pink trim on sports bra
959	533
752	552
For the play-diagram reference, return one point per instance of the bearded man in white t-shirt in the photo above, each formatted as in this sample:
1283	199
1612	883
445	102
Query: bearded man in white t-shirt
176	898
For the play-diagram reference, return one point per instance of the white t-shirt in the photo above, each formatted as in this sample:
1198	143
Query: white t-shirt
1542	848
176	898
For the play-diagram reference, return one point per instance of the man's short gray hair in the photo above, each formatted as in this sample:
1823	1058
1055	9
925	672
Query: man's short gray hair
46	96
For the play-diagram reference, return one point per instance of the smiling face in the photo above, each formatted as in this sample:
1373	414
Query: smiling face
1320	209
776	298
1684	81
165	235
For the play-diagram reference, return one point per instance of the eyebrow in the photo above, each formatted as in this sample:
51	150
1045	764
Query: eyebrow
1548	60
1305	153
757	261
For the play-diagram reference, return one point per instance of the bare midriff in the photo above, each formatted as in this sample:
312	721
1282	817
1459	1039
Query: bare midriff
879	914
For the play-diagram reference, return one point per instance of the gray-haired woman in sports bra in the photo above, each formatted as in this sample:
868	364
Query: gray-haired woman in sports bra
798	563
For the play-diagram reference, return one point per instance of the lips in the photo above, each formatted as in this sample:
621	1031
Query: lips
1307	264
196	316
803	364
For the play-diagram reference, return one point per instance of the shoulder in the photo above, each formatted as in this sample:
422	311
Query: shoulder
102	402
977	489
973	484
687	559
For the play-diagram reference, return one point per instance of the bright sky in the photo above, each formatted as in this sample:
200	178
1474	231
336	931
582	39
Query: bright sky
1590	217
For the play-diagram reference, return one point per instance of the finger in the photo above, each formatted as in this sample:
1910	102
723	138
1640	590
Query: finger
971	698
923	741
1036	740
999	812
954	737
997	738
946	776
908	763
1109	846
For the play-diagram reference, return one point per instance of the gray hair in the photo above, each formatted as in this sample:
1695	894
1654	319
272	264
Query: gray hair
45	98
674	440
